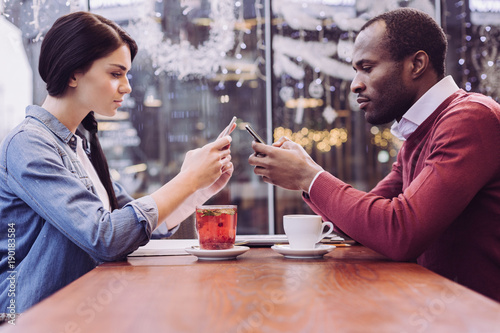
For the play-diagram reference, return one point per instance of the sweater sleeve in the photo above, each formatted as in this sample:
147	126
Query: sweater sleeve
392	184
446	170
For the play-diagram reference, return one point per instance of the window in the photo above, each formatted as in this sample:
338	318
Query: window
281	65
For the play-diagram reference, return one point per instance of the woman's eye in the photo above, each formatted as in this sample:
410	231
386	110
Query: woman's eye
116	75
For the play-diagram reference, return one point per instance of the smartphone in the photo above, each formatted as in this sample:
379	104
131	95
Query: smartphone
254	134
228	128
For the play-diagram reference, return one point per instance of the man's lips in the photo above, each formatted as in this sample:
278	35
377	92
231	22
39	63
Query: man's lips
362	101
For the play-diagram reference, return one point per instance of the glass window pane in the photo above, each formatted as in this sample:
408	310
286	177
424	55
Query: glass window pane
201	62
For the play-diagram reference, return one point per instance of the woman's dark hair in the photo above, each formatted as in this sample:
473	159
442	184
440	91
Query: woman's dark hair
72	44
410	30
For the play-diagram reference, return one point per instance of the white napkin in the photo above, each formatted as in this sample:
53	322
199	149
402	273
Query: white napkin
164	247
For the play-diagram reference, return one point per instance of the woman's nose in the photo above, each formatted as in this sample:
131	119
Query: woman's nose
125	87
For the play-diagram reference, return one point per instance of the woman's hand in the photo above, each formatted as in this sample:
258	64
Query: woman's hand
205	171
205	165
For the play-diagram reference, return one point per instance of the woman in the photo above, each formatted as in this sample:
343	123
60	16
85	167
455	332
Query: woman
61	214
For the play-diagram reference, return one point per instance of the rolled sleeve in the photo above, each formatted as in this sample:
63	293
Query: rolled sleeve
146	212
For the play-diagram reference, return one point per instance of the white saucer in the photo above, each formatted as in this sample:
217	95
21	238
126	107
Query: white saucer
217	254
318	252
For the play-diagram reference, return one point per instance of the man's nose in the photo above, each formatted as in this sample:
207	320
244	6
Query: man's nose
357	85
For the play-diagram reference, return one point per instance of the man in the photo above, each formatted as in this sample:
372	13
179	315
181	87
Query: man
440	204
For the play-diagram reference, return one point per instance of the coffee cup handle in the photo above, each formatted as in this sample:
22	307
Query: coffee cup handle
326	233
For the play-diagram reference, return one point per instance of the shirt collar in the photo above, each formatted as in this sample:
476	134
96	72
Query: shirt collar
424	107
52	123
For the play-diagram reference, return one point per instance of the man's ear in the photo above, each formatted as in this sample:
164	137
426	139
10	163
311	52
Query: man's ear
420	63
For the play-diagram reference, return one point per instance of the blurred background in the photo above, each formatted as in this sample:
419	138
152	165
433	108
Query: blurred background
281	65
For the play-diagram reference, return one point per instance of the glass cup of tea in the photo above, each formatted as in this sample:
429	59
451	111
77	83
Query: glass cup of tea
216	226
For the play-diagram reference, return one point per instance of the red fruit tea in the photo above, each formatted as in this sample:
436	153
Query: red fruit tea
216	226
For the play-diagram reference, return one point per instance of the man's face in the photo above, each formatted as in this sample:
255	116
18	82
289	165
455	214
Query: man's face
383	91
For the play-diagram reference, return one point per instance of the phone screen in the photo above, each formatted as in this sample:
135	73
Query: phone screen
228	128
254	134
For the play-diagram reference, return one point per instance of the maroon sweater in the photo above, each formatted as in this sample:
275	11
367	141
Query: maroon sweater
440	204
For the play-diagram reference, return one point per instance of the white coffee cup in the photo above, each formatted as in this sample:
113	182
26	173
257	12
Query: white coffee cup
304	231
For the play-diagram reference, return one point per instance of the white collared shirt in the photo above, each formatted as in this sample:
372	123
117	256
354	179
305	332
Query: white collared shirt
89	168
424	107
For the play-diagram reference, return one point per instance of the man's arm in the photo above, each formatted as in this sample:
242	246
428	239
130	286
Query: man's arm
392	184
461	159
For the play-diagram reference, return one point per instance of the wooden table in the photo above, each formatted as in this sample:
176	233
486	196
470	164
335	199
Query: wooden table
352	289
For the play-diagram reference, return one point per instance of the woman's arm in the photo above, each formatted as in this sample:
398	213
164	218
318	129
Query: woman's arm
201	168
40	173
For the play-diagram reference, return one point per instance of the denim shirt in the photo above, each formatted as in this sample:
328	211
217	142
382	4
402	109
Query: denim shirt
51	219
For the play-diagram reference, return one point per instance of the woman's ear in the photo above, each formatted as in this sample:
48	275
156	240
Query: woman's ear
72	81
74	78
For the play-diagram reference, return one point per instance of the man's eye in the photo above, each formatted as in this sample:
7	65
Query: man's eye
366	68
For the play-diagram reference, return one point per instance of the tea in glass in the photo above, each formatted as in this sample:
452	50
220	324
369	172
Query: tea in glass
216	226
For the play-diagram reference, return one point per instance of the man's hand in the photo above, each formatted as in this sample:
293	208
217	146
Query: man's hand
285	164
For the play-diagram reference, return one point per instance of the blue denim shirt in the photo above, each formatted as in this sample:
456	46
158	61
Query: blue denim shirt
51	219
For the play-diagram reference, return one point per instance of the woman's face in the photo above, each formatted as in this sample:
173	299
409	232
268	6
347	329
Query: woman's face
102	87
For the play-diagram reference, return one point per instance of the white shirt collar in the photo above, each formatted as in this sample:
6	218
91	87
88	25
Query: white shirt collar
89	168
424	107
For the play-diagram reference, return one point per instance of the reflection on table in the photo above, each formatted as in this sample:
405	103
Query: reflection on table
351	289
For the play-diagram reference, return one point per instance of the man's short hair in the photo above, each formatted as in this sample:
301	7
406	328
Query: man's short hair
409	31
